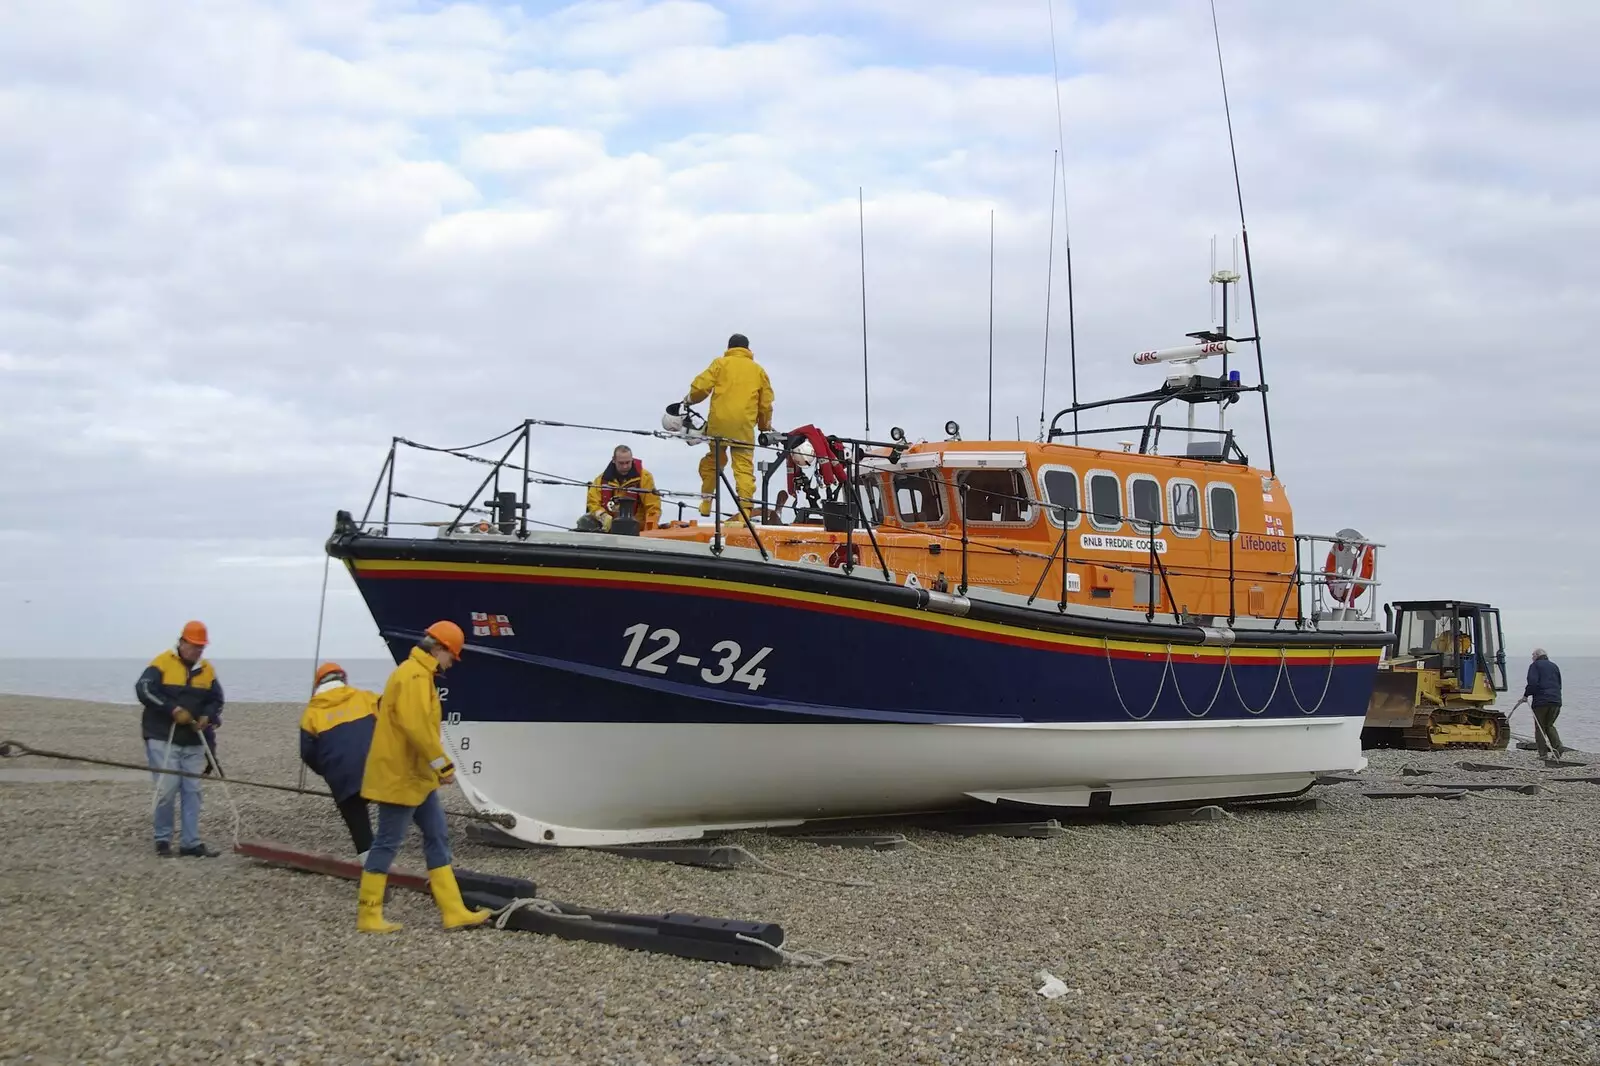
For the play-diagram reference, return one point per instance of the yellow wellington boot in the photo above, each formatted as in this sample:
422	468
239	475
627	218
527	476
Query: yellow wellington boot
447	894
705	508
369	905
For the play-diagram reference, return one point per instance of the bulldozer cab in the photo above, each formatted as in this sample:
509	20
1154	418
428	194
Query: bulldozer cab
1439	679
1461	641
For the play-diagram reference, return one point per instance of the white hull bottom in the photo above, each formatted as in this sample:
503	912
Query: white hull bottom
580	784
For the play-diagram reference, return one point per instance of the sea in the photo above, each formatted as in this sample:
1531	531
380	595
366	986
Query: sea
289	681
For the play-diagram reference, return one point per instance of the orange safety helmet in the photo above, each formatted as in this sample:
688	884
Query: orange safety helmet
329	670
195	633
448	634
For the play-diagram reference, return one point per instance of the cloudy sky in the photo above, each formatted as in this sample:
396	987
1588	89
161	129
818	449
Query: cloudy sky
242	244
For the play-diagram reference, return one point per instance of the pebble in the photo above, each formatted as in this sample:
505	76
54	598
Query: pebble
1373	931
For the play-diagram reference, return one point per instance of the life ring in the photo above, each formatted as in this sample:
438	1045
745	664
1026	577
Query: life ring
1349	568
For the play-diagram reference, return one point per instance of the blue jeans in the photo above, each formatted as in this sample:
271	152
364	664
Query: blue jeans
190	759
392	821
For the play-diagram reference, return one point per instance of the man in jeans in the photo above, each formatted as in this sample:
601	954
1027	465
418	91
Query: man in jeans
405	766
1544	689
181	700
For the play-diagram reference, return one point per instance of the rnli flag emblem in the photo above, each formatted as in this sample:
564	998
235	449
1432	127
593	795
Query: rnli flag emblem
491	625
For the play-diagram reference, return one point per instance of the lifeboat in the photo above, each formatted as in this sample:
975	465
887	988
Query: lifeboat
913	625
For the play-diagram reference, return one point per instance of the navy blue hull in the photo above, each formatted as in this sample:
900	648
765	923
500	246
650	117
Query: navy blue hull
604	645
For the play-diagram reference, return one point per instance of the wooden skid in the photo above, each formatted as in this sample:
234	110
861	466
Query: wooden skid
1046	830
318	863
1412	794
1338	779
1574	780
1490	786
706	856
688	936
1298	803
868	841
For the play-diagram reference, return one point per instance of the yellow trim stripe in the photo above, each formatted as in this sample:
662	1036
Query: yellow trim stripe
1356	655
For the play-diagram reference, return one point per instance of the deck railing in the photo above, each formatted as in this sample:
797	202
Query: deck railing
1343	593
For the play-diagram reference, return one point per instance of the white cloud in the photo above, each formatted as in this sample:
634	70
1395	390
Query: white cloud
243	245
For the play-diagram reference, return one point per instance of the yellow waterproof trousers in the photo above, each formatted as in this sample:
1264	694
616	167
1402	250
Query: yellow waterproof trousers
744	475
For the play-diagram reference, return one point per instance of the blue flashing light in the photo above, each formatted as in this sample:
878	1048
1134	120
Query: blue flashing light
1233	377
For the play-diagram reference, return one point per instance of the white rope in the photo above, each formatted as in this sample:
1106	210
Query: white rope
767	866
535	903
800	956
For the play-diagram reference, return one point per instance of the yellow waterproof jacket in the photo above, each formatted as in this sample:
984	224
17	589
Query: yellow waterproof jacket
639	484
741	395
407	758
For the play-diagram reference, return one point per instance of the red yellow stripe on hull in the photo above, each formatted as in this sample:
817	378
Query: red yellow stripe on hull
409	570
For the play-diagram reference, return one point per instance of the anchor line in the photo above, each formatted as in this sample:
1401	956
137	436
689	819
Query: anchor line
1227	659
15	749
1111	668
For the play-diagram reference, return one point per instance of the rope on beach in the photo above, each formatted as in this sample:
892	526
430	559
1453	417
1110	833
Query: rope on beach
535	903
15	749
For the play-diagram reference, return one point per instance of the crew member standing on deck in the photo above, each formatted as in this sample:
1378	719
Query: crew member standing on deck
182	703
1544	689
335	736
405	767
741	403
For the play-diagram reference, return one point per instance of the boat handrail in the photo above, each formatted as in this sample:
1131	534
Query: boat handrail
506	511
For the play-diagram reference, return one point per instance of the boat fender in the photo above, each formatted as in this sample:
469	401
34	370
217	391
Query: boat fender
943	602
1214	636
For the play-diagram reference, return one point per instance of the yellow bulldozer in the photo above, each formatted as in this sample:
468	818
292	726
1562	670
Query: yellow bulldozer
1439	679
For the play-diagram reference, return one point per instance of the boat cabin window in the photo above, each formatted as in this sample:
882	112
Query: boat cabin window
1105	501
1223	506
870	499
996	495
1061	489
1183	504
1144	503
917	496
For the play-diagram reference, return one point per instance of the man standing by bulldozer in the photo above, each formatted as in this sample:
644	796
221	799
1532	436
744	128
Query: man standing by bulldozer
1544	689
741	403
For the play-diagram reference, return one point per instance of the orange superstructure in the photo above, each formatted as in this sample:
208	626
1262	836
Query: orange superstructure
1143	532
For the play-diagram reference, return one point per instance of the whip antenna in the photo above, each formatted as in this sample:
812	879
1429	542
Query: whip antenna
1049	270
1066	232
1244	233
866	389
991	323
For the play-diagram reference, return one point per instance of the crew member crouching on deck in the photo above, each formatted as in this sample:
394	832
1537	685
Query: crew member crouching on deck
405	767
624	478
335	736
